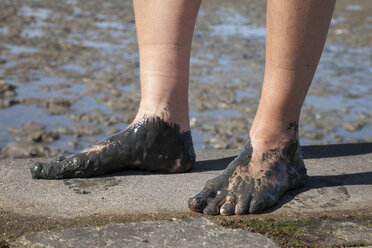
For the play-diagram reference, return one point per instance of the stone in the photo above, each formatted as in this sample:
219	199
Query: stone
195	232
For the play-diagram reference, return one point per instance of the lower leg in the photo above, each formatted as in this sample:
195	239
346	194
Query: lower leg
159	138
296	33
165	31
270	163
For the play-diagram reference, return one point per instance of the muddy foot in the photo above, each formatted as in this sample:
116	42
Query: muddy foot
252	182
151	144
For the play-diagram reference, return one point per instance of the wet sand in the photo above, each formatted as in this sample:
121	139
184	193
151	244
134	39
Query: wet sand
69	75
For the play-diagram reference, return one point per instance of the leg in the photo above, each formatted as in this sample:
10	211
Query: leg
270	163
159	138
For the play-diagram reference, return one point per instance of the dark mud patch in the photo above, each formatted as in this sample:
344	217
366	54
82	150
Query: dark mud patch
84	186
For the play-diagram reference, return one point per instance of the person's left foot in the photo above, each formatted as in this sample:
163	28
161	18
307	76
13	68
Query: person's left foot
150	144
253	182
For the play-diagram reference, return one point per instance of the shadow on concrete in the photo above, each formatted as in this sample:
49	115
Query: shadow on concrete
316	182
211	165
309	152
337	150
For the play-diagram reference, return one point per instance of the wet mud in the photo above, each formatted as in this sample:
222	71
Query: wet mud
151	144
71	66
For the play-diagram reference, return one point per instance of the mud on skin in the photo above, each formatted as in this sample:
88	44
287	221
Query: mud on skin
151	144
245	188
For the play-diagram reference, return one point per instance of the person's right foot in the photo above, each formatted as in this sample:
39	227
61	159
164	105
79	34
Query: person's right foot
150	144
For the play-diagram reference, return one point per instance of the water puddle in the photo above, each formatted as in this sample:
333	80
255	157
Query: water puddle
35	12
234	24
249	93
125	88
13	49
73	67
113	25
198	138
217	113
32	33
3	31
18	115
337	20
354	7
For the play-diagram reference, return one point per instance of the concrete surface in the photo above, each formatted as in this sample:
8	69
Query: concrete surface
196	232
340	180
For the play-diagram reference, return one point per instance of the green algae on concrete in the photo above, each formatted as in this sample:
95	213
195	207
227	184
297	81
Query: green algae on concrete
311	232
12	225
3	244
321	231
306	232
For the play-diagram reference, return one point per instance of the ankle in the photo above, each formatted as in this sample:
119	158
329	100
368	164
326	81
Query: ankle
171	113
265	136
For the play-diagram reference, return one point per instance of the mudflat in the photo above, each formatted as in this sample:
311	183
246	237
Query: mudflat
69	75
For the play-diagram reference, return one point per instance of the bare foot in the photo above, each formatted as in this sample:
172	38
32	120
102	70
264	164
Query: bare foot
254	181
150	144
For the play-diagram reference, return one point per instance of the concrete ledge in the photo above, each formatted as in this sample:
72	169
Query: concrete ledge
340	180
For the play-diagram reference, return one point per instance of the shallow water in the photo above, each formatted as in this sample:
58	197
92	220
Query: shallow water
86	53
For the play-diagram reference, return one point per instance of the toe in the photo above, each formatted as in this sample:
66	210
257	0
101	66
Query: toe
198	202
229	206
213	206
242	206
36	169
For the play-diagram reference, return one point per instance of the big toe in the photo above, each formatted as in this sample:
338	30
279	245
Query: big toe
36	170
198	203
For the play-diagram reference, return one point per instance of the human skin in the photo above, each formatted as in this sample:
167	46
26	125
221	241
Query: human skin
164	31
270	163
159	138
